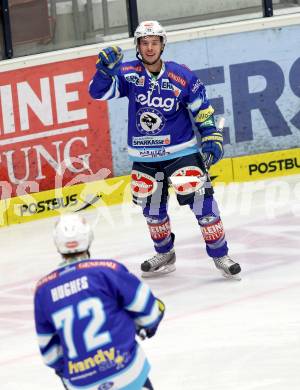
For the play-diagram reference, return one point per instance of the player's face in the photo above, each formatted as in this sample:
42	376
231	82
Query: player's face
150	48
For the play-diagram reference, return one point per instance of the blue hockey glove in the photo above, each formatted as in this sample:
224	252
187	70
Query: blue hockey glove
109	60
150	332
212	147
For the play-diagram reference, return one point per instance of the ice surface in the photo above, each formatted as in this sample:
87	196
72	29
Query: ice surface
217	334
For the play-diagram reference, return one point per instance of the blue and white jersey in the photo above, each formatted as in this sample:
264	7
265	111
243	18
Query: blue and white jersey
159	124
86	315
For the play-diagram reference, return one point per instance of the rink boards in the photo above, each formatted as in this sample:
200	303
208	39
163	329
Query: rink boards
53	136
104	193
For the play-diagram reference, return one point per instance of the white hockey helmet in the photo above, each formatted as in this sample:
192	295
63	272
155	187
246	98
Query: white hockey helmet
72	234
150	27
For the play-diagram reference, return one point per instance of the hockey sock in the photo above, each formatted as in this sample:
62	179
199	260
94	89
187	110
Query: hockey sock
160	230
209	220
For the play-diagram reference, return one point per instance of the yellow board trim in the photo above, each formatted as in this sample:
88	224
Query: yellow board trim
222	172
3	213
116	190
68	199
266	165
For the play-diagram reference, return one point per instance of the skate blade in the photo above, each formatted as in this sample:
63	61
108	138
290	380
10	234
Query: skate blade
166	269
232	277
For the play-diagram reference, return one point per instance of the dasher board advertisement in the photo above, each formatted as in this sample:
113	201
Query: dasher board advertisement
52	134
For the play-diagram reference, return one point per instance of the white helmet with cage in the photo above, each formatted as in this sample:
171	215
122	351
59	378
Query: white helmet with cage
150	27
72	234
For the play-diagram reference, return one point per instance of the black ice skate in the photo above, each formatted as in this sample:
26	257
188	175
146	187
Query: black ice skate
160	264
228	267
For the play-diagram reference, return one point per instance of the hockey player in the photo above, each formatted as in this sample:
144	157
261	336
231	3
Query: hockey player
162	143
87	313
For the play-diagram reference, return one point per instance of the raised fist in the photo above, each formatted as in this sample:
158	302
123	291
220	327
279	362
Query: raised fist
109	60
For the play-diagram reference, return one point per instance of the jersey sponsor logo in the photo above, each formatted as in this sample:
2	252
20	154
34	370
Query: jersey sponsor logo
156	101
274	165
153	153
67	270
197	85
142	185
97	263
137	68
48	204
166	85
151	141
103	359
47	279
135	79
180	80
203	115
176	91
149	121
141	81
188	180
213	232
132	77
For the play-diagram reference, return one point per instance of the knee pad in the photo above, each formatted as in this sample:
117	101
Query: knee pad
148	188
187	182
142	185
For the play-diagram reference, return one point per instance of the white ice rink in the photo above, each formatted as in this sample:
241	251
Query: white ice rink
217	334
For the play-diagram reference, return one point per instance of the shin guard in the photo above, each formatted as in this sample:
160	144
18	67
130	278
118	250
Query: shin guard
209	220
160	230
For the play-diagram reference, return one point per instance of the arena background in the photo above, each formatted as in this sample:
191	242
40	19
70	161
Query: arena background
62	151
